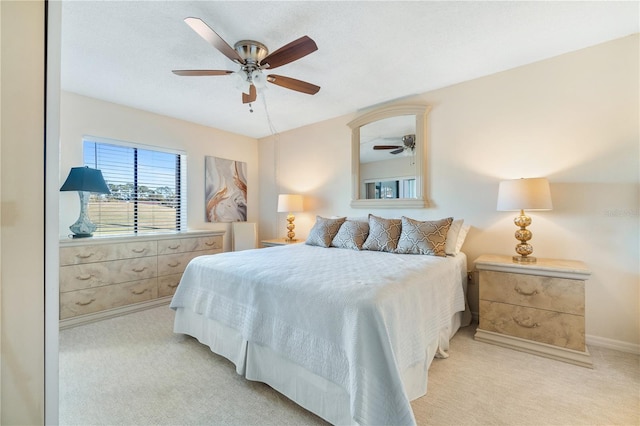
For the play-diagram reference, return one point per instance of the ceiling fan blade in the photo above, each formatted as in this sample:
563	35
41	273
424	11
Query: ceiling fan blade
290	52
397	151
376	147
197	73
251	96
213	38
293	84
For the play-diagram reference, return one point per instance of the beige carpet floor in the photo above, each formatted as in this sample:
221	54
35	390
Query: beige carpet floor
133	370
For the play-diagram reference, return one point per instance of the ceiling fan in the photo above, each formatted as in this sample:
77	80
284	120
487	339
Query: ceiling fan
254	57
408	143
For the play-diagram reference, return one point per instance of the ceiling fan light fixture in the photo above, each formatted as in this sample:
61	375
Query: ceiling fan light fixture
241	81
259	79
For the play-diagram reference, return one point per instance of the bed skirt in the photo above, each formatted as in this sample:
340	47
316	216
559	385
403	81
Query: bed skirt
314	393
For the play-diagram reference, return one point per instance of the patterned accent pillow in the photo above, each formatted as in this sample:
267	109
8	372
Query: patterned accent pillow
352	235
383	234
428	237
323	231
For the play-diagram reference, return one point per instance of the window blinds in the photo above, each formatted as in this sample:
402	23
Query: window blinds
146	189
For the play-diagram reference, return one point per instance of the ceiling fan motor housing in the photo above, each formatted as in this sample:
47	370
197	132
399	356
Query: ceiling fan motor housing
251	51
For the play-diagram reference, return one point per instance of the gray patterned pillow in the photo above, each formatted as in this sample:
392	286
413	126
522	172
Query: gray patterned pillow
323	231
428	237
352	235
383	234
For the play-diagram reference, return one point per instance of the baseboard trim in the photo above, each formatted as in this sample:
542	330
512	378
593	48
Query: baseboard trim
111	313
617	345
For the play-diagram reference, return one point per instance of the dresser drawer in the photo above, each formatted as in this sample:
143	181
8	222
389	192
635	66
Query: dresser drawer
77	277
181	245
553	328
168	284
550	293
87	301
75	255
169	264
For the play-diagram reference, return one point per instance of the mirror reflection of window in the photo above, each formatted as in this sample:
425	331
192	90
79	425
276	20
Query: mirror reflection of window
390	189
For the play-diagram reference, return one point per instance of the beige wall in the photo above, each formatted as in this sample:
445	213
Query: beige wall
80	116
573	119
22	213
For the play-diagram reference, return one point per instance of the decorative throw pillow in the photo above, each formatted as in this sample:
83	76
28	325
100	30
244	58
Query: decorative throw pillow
352	235
323	231
452	237
383	234
428	237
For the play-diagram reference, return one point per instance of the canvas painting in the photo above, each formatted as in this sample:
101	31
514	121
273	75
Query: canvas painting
225	190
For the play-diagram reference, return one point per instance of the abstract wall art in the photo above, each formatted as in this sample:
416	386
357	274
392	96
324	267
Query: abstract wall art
225	190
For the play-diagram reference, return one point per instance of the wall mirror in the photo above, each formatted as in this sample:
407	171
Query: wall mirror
388	158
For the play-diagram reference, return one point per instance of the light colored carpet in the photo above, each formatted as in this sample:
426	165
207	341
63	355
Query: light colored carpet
133	370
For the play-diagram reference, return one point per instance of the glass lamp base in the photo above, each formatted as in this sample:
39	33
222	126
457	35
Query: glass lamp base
524	259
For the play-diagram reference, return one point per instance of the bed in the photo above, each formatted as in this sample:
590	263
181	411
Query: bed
346	334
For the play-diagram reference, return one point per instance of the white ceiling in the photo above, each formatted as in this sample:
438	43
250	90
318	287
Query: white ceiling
368	52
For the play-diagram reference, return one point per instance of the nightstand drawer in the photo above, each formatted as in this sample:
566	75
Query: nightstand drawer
553	328
550	293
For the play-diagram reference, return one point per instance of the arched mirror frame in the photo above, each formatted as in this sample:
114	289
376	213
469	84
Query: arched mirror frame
421	200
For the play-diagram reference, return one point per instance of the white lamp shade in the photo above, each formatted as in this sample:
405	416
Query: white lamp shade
289	203
524	194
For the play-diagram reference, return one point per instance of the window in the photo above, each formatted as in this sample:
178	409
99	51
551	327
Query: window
147	192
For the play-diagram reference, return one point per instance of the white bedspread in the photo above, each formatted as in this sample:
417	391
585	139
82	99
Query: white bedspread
356	318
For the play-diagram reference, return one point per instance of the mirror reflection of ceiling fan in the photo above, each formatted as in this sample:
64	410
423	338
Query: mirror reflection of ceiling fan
408	144
254	58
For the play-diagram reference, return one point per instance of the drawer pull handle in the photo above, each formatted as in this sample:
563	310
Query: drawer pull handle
173	285
84	256
525	293
84	277
86	303
139	270
173	265
525	325
210	244
138	250
174	247
139	292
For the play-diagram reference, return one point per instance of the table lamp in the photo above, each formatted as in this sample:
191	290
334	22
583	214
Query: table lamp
524	194
288	203
85	181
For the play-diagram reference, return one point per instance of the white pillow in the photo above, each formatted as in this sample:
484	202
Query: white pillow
452	237
464	230
456	236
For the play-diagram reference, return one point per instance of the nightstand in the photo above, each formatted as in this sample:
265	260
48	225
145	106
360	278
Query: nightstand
536	308
279	242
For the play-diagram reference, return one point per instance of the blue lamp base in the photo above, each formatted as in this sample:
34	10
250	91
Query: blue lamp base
83	227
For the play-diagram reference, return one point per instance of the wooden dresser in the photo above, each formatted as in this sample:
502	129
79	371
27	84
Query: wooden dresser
536	308
105	277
